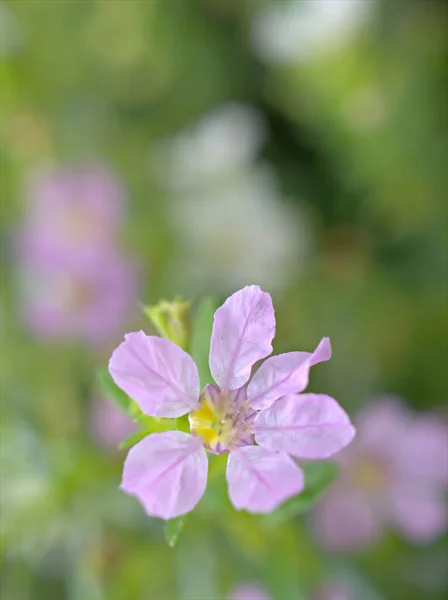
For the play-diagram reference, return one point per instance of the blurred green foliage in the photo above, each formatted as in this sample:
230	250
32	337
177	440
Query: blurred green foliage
357	138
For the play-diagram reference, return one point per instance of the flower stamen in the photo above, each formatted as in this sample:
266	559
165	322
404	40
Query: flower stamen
223	421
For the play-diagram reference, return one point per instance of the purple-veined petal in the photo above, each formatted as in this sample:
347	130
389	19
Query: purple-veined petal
159	375
243	329
260	480
167	472
284	374
306	426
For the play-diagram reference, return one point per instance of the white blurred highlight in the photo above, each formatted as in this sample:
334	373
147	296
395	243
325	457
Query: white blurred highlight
12	37
221	142
231	223
288	31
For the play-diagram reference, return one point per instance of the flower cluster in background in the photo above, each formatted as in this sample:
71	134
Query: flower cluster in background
75	281
395	474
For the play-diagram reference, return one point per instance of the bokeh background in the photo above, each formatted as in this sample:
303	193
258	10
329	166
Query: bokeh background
164	148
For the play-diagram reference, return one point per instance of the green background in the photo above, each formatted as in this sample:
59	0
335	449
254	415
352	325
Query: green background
357	137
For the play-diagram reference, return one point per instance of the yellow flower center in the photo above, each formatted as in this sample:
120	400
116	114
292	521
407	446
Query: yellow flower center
223	421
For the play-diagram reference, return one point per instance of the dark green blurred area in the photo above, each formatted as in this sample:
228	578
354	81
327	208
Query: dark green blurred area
357	136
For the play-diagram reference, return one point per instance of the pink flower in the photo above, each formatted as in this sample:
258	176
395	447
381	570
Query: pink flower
395	473
75	284
167	472
71	215
85	302
249	591
110	426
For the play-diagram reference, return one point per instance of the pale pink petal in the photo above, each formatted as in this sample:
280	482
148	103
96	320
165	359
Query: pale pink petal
249	591
159	375
284	374
418	512
307	426
260	480
346	521
167	472
243	329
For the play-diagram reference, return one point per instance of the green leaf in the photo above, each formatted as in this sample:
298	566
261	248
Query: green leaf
318	476
172	529
182	424
200	338
151	425
132	439
112	391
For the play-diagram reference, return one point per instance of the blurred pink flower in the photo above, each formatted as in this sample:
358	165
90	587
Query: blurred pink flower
167	472
110	426
394	474
333	591
71	215
249	591
74	282
86	302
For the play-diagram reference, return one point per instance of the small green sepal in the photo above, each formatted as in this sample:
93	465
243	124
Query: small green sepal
171	320
172	530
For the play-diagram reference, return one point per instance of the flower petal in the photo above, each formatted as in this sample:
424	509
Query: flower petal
306	426
284	374
260	480
167	472
243	329
159	375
